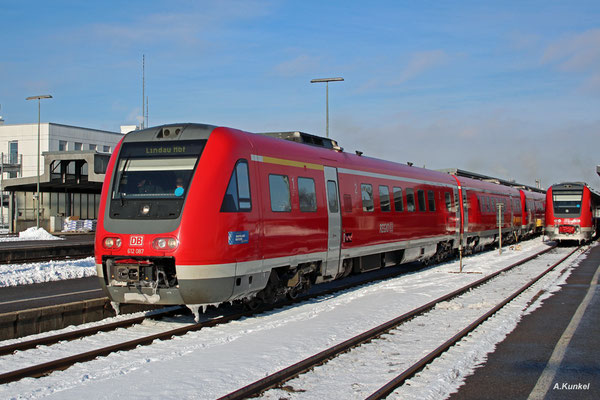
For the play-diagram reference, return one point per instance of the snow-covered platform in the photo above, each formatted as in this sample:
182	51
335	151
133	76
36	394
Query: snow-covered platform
553	352
42	244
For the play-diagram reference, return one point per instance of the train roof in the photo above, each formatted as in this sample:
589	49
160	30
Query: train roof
348	162
305	138
330	149
180	131
481	177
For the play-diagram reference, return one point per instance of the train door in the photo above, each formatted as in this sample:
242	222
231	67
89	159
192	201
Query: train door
335	223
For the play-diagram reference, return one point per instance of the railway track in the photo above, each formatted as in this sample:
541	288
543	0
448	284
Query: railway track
232	314
278	379
165	332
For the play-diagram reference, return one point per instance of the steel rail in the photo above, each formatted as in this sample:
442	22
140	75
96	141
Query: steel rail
305	365
77	334
388	388
53	339
64	363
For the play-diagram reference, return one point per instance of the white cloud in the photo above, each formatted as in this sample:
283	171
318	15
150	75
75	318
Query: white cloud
421	62
578	52
299	65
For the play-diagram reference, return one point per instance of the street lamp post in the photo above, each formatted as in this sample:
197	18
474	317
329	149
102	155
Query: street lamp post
37	199
326	80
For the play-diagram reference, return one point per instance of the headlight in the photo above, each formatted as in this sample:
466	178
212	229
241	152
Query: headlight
112	243
165	243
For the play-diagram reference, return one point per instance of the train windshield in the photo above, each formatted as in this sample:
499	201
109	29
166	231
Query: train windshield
567	202
156	170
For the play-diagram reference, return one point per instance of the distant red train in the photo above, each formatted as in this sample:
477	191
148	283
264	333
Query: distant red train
197	214
573	211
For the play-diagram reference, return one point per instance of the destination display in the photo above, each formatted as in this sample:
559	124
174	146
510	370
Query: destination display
154	149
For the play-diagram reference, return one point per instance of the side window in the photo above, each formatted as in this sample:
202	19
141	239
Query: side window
332	197
448	201
384	198
410	200
237	196
421	200
431	200
279	187
367	196
307	194
398	199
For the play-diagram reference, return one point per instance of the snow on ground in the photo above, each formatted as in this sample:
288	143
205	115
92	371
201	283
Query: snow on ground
32	233
214	361
25	274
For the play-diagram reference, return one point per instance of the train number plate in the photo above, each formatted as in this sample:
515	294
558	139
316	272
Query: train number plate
136	240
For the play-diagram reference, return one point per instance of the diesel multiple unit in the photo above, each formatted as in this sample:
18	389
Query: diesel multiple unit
197	214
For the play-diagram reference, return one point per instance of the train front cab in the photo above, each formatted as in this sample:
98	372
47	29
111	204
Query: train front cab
572	211
152	245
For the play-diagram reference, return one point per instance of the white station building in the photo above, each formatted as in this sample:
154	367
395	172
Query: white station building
72	163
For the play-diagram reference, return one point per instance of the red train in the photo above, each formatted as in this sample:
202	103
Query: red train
197	214
573	211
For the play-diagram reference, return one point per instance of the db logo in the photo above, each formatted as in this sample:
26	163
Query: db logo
136	241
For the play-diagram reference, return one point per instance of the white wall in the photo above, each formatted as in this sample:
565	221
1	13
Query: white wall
50	137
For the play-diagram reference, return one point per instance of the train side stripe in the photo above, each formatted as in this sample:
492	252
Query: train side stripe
289	163
301	164
394	178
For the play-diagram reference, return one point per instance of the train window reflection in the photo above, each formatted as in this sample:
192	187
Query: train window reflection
384	198
307	194
367	197
398	199
410	200
421	199
154	177
279	188
431	200
567	202
332	197
237	196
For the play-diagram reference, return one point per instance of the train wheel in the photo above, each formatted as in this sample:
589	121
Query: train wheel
253	304
294	293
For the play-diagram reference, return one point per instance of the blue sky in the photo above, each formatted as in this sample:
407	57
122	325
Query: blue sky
506	88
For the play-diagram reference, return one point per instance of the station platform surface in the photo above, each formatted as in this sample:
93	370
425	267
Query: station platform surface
554	352
68	238
75	245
